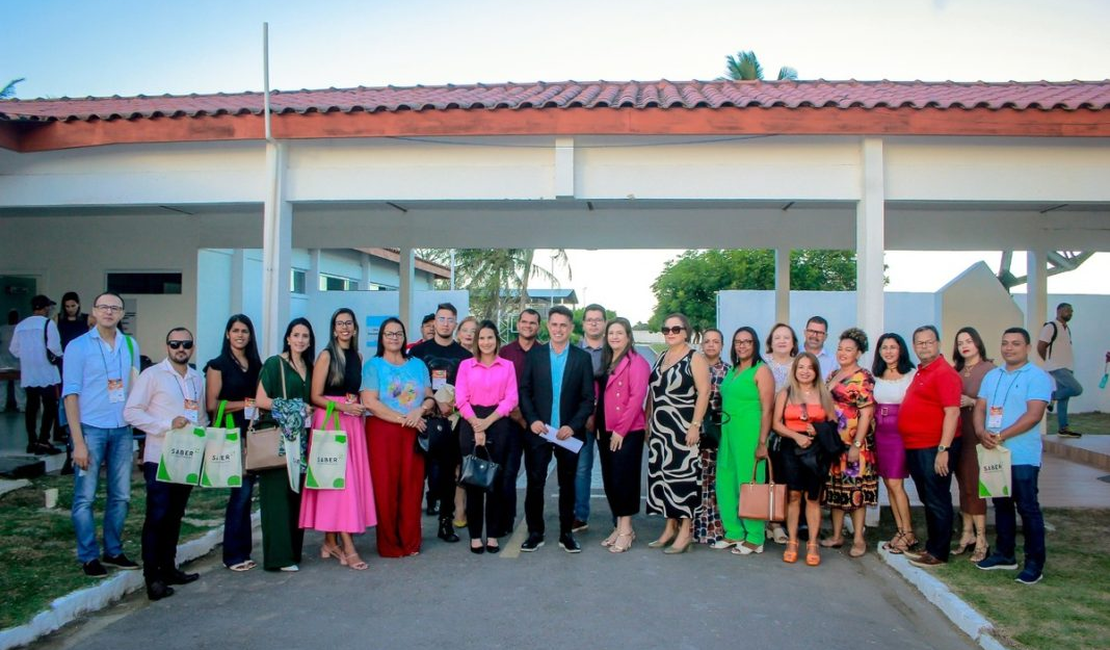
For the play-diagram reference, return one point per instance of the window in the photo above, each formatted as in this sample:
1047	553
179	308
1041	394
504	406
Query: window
297	281
144	283
336	283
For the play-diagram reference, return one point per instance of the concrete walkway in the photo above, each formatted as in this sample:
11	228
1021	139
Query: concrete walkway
448	598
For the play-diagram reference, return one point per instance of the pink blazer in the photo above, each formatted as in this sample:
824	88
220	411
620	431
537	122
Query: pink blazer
625	393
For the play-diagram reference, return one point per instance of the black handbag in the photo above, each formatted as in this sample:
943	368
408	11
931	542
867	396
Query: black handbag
479	472
436	430
711	426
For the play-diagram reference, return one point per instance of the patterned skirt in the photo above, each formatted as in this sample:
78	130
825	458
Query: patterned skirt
674	474
707	518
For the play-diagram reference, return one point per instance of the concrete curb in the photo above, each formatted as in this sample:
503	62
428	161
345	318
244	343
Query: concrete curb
68	608
962	615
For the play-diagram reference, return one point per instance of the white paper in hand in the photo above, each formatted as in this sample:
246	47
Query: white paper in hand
571	443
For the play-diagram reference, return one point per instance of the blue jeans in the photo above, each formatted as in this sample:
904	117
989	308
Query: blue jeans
1024	489
935	492
1067	387
237	523
584	477
113	448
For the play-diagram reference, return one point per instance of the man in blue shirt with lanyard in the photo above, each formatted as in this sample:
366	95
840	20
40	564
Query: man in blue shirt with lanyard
96	377
1011	404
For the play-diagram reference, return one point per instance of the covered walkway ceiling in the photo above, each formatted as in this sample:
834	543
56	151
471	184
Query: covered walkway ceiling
633	224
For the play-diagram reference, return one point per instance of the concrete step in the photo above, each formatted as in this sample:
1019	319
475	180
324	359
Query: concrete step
1091	450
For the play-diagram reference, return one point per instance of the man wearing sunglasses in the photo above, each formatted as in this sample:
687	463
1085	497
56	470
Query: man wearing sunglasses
96	376
169	395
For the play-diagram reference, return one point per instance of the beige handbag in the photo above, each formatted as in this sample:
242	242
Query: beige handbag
766	501
262	445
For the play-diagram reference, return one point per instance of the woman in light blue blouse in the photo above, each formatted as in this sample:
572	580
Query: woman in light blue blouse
398	392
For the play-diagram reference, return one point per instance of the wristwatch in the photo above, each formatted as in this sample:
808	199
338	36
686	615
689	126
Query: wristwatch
858	444
942	448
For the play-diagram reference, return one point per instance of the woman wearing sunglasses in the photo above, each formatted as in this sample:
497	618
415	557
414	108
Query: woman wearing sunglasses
678	396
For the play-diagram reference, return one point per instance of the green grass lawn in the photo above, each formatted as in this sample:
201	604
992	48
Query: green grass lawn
38	549
1092	422
1070	608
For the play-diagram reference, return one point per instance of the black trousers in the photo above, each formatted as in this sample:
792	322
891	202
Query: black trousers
441	479
537	457
510	471
935	492
482	506
165	506
47	398
620	472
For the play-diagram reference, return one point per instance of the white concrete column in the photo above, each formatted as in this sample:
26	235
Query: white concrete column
1036	300
870	225
564	168
238	267
406	269
366	271
277	252
312	276
782	284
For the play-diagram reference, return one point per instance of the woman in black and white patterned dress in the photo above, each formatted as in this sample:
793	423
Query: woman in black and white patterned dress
678	397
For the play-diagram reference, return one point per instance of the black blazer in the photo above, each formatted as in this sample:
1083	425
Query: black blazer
577	396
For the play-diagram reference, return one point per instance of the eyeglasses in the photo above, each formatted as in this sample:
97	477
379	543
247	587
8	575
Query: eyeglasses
921	344
175	345
677	329
111	309
817	333
393	335
344	323
745	342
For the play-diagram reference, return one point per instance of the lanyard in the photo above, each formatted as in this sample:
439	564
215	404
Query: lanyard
1006	395
181	381
118	352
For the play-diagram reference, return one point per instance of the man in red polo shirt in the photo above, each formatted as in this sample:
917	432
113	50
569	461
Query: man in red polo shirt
929	422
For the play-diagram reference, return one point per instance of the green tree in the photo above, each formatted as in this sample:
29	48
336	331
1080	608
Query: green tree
497	278
689	283
8	91
745	67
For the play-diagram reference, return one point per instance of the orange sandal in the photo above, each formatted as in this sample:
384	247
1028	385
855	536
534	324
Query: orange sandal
813	558
790	555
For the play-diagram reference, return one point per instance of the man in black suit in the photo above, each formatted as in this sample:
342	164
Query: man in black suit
562	374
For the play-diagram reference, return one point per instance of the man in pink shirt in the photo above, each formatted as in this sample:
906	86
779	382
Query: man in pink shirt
169	395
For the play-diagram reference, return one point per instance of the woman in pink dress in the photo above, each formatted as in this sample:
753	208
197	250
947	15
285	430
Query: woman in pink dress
337	377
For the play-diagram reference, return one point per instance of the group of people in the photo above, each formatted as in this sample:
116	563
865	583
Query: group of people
815	421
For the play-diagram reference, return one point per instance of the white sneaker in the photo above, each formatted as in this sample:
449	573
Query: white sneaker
292	568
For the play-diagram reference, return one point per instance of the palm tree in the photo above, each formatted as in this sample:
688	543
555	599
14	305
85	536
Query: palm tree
497	278
745	67
8	91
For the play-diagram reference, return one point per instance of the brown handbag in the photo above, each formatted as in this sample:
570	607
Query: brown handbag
766	501
262	445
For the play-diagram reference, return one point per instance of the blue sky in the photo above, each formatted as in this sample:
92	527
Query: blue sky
127	47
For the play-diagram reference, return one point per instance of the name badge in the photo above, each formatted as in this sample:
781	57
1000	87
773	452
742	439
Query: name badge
115	391
439	379
250	411
352	398
192	411
994	418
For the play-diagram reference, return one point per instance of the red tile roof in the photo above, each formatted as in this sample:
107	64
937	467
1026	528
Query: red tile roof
1039	95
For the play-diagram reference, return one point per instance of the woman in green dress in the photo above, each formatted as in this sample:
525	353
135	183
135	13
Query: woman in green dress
284	392
747	395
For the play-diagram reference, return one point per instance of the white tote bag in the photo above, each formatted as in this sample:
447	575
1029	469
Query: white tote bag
182	456
994	472
327	455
